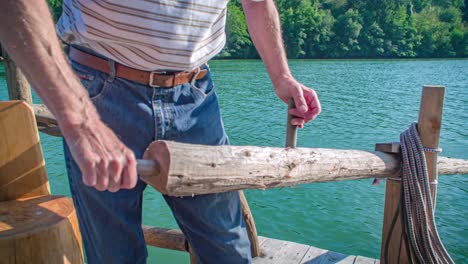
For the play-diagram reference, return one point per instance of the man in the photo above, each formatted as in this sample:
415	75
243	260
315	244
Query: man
145	77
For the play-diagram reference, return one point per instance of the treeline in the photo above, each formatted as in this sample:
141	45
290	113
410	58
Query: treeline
356	28
360	29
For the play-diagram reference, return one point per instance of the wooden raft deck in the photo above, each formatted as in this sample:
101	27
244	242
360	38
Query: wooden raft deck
284	252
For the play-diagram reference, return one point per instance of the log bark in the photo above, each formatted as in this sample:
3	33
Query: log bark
39	230
165	238
168	238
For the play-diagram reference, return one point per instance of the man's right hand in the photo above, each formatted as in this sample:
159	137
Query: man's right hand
105	162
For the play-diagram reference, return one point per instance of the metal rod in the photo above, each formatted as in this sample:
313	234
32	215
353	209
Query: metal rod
291	130
147	167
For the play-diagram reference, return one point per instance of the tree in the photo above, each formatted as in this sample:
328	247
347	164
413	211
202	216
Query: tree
238	41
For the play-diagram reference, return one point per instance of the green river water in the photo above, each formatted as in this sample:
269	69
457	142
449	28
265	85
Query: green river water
364	102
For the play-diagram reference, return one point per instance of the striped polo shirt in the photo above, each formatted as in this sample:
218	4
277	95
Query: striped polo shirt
147	34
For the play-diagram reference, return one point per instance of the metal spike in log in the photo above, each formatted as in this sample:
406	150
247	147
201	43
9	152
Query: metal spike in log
187	169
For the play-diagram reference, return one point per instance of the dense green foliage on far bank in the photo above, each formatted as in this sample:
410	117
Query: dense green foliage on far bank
361	29
356	28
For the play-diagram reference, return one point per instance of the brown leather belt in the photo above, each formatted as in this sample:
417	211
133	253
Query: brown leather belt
152	79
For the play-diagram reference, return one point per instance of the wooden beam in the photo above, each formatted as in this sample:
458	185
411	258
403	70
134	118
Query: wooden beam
18	85
169	239
429	124
165	238
186	169
394	248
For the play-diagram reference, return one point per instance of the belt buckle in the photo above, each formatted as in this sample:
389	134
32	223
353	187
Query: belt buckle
151	78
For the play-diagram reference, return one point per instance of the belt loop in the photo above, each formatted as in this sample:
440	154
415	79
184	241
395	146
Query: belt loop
194	78
112	70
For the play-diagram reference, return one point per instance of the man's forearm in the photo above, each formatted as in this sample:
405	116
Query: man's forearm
28	35
265	30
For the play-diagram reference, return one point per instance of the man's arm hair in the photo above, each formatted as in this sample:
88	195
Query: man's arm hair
28	34
265	30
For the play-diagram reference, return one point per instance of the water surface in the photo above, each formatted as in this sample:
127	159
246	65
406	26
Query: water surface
364	102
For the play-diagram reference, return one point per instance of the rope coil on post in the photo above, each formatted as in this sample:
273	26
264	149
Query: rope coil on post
417	206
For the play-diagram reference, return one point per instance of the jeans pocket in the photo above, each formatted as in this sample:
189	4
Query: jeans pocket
93	80
204	86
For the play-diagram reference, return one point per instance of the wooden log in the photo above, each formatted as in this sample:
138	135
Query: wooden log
186	169
250	226
18	85
39	230
394	243
22	167
165	238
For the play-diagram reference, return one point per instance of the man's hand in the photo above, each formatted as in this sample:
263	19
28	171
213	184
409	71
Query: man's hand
105	162
306	100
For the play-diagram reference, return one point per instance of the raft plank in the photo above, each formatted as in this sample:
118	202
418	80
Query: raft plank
280	252
365	260
322	256
285	252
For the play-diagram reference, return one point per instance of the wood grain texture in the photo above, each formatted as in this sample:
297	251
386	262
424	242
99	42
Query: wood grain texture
186	169
281	252
22	167
39	230
394	248
321	256
429	125
165	238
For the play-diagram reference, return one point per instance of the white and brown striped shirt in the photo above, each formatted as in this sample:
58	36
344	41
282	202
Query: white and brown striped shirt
147	34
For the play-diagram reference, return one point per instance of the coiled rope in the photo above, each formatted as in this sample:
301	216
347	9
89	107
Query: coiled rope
417	207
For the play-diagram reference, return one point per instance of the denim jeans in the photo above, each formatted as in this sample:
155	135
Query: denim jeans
110	223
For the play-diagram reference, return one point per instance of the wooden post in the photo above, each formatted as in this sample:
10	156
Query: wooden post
250	226
18	85
429	123
40	230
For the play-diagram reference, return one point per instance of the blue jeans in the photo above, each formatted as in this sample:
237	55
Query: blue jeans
110	223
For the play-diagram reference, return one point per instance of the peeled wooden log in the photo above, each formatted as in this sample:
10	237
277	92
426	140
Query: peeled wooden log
186	169
39	230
